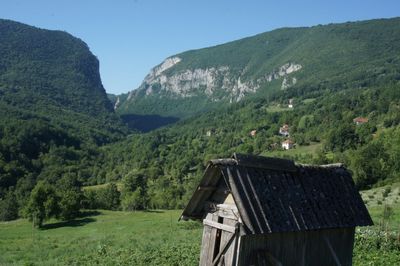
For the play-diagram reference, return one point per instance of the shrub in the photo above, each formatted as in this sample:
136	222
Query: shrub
8	207
386	192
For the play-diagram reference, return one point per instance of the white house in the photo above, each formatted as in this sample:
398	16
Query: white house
284	130
290	105
287	144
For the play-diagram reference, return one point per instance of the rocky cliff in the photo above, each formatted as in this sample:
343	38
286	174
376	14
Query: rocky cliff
290	58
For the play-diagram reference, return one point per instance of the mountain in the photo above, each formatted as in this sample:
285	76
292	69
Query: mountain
235	98
353	54
54	111
53	76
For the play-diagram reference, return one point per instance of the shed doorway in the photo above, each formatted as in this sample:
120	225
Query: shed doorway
220	236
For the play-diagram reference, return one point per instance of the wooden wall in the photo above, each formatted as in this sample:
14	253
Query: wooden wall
320	247
220	235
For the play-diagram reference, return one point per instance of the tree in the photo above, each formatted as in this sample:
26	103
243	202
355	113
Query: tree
8	207
135	191
370	164
70	194
341	138
133	201
43	203
109	197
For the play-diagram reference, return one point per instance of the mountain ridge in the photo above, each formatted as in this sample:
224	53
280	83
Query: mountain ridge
199	80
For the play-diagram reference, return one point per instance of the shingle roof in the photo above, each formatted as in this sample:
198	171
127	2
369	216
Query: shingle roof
276	195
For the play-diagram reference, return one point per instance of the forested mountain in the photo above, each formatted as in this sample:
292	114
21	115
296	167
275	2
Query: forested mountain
334	56
54	111
56	118
321	125
54	76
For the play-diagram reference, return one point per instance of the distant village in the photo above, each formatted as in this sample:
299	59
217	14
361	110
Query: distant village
287	143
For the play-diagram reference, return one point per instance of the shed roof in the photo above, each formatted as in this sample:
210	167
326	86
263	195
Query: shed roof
277	195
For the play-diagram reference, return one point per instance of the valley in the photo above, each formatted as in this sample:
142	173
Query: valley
85	176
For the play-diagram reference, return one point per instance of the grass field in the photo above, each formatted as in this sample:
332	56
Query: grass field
105	238
146	238
277	108
299	150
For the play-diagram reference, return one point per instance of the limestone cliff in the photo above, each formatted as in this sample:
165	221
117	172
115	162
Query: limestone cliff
216	83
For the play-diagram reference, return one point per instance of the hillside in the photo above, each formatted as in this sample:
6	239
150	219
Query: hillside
321	125
54	111
334	56
53	76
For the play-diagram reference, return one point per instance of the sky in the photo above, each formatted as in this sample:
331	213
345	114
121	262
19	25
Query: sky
129	37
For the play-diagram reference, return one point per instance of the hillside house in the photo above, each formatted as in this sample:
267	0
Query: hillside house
210	132
360	120
284	130
268	211
290	105
287	144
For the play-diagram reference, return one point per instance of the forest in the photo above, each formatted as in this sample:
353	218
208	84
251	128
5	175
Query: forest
64	149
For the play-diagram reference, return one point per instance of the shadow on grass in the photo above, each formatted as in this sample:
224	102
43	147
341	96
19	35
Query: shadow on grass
83	218
70	223
88	213
154	211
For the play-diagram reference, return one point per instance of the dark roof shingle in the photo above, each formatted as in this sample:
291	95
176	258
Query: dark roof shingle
275	195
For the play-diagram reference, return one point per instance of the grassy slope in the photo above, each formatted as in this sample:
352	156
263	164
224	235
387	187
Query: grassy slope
123	238
298	150
107	237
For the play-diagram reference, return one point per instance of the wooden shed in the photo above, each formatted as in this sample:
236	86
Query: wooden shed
267	211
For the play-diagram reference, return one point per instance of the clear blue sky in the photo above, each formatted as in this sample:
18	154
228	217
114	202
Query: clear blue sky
131	36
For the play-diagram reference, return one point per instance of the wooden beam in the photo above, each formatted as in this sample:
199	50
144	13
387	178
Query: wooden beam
206	188
224	227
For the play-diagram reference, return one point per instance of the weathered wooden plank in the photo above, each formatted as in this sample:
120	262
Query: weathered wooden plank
209	179
220	226
228	214
223	249
204	243
208	242
230	252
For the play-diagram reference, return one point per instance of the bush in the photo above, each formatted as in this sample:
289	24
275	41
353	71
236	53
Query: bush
107	198
386	192
375	248
8	207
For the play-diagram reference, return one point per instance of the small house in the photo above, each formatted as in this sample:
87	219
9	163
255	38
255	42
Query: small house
290	105
284	130
253	133
268	211
360	120
287	144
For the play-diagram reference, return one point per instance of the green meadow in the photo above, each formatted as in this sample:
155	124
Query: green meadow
156	238
103	238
